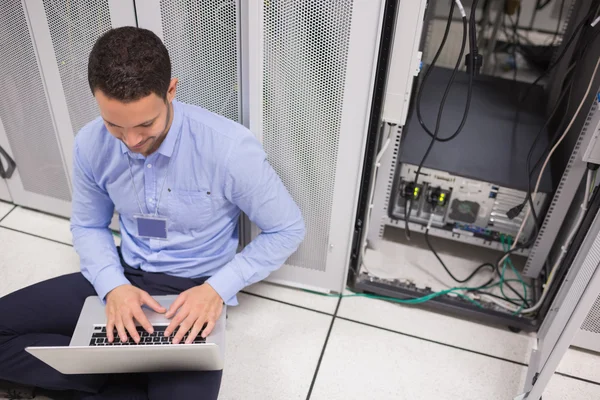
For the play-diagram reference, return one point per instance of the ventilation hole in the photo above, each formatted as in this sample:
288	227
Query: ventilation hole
305	56
24	110
592	321
74	28
202	39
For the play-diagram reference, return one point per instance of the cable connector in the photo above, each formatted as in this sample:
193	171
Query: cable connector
477	63
463	14
430	222
516	210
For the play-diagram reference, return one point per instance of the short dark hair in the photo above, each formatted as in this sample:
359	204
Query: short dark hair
129	63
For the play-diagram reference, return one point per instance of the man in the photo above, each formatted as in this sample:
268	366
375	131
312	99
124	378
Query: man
160	164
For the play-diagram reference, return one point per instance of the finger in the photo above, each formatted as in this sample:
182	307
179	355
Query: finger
152	303
131	328
210	325
141	318
175	306
110	326
195	330
175	322
183	329
120	329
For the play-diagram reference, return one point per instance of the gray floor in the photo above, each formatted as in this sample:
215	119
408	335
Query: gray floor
288	344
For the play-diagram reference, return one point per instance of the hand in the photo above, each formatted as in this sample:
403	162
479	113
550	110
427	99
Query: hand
123	304
197	306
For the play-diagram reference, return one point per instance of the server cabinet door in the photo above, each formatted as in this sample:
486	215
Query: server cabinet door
43	57
203	42
308	82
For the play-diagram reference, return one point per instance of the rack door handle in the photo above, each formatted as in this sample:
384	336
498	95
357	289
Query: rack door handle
6	173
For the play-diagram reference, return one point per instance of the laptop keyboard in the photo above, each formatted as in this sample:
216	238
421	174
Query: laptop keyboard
158	337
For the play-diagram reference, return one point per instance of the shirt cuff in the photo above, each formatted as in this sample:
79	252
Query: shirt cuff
227	284
108	279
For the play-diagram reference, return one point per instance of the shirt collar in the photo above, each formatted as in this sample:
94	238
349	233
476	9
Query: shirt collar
168	145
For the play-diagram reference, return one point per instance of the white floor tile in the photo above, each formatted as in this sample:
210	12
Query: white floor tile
563	388
26	260
362	362
272	350
5	208
40	224
419	266
44	225
582	364
442	328
295	296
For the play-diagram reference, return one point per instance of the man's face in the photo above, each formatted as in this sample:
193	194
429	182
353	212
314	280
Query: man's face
142	124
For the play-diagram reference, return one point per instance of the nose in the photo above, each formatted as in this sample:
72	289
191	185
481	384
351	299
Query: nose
131	139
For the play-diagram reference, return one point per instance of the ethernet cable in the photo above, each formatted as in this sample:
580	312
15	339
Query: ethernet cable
563	249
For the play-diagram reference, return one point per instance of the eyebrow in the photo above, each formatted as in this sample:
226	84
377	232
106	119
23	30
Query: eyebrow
143	123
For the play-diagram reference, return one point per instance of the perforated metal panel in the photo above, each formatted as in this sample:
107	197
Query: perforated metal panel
592	321
24	110
305	56
74	27
202	39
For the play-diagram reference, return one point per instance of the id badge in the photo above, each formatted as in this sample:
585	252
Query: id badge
151	226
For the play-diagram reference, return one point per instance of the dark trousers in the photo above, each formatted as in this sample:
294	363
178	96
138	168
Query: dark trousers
45	314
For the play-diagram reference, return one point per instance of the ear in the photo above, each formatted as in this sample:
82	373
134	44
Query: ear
172	89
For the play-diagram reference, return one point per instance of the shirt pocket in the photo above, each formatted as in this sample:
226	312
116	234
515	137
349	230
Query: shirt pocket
190	210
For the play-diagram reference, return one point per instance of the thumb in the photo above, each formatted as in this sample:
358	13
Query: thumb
153	304
175	306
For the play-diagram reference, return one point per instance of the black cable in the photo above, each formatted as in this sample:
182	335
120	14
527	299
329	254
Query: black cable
430	68
407	211
498	297
531	171
555	137
543	5
559	130
479	268
406	214
497	267
558	59
517	209
442	103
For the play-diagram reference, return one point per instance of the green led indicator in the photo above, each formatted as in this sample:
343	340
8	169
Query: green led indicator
442	199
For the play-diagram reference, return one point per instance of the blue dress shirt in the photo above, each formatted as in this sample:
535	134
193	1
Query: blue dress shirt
214	168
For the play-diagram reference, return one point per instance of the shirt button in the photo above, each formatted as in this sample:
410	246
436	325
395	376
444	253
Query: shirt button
149	165
150	201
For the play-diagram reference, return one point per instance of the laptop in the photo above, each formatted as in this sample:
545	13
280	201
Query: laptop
90	353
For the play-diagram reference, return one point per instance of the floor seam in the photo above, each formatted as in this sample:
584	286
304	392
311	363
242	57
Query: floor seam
245	292
463	349
334	316
577	378
286	303
314	379
8	213
435	342
35	235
